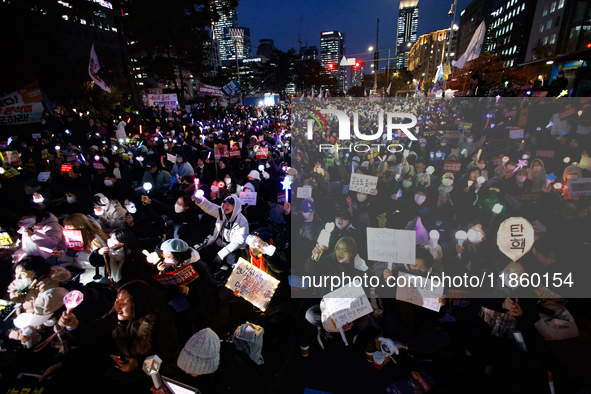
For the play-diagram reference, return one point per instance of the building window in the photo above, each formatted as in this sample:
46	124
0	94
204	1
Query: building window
545	12
523	7
552	38
139	75
553	7
545	41
549	24
560	4
541	28
511	26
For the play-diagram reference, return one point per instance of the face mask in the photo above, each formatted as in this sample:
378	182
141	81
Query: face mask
166	147
22	284
179	161
537	169
27	222
468	140
475	236
481	166
99	211
420	199
108	182
415	272
443	143
228	181
447	182
178	208
361	197
511	167
131	208
71	200
521	178
406	184
423	145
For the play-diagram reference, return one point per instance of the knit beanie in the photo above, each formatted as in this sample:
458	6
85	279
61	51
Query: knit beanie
201	354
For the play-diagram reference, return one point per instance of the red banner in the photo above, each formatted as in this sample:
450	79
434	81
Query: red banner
548	154
74	239
180	277
235	153
71	158
99	167
262	153
452	166
66	168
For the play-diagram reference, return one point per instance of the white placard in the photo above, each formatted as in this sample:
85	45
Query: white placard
515	237
43	176
252	284
583	130
249	198
392	246
363	183
516	134
558	126
171	158
418	291
347	304
585	163
304	192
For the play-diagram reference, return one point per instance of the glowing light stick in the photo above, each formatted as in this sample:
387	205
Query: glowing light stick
147	186
567	160
152	368
323	239
399	193
558	186
505	159
261	168
57	147
286	186
550	178
37	198
461	236
479	153
430	170
72	300
434	237
497	209
470	183
480	180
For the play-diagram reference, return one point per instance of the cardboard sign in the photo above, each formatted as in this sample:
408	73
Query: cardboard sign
74	239
543	153
71	158
181	277
418	291
452	166
262	152
171	158
261	138
249	198
516	134
515	237
579	187
559	125
66	168
393	246
347	304
11	157
126	157
465	126
235	153
5	239
363	183
567	113
252	284
304	192
43	176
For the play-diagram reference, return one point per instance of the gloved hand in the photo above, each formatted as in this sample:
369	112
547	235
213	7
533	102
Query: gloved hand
198	196
218	260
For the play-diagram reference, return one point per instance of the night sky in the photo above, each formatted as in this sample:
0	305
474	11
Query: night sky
280	21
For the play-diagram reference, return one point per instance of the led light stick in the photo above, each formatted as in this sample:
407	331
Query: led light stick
433	238
152	368
286	186
323	239
461	236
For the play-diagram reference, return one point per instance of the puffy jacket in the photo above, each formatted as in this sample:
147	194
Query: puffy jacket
238	226
46	234
44	296
114	216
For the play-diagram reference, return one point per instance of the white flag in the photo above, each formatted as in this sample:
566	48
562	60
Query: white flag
320	92
474	48
93	67
388	90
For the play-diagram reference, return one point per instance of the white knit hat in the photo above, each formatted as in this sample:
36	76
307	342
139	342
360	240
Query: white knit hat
201	354
255	174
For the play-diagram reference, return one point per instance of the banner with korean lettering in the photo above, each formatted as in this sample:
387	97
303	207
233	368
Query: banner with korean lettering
252	284
169	100
232	88
181	277
363	183
209	90
23	106
452	166
74	239
515	237
11	157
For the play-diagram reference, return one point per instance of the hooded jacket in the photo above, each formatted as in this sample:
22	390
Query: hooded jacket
44	296
114	214
46	234
120	132
237	232
538	177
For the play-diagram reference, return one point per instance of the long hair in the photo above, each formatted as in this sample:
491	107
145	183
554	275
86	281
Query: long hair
37	264
126	237
89	231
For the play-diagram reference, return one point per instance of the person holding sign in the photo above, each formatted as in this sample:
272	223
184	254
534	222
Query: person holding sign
158	177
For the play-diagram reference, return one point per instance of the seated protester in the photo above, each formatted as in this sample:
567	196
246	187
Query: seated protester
145	223
115	189
138	326
93	238
158	177
254	213
537	174
505	170
76	201
478	253
464	194
202	172
110	213
122	170
224	168
230	183
469	144
483	171
408	187
231	229
187	186
410	326
122	259
342	260
406	211
41	234
443	146
181	168
183	219
308	226
421	177
514	188
37	288
254	178
216	367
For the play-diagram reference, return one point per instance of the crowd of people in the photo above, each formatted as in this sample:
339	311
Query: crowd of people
112	202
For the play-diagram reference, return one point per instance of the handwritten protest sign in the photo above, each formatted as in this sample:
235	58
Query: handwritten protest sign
363	183
252	284
181	277
249	198
171	158
11	172
221	150
559	125
304	192
393	246
66	168
346	305
418	291
452	166
516	134
74	239
515	237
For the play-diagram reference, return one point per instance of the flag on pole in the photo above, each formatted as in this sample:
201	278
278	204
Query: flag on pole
303	95
93	67
439	73
474	48
365	92
388	90
320	93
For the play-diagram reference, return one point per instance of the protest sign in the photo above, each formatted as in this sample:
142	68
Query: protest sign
252	284
23	106
281	197
261	138
181	277
516	134
579	187
99	167
567	113
515	237
559	125
43	176
10	173
544	154
530	197
66	168
11	157
71	158
262	152
363	183
393	246
169	100
232	88
171	158
234	153
221	150
418	291
304	192
74	239
347	304
452	166
249	198
209	90
5	239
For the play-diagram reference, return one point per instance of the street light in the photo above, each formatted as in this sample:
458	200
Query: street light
370	49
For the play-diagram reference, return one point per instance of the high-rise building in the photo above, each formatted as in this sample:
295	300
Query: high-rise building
332	50
226	21
239	37
430	51
266	48
406	35
309	53
470	18
357	73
